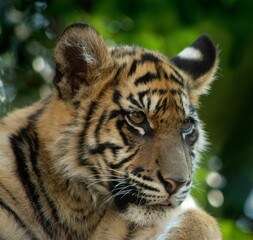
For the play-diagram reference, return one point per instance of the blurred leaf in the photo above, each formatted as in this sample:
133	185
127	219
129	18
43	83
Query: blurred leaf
230	231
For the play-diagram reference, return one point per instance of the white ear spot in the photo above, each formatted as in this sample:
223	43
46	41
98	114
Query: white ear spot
87	56
191	53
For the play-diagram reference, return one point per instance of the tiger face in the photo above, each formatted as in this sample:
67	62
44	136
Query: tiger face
136	137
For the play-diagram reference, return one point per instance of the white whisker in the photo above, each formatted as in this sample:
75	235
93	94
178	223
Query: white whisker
101	181
107	168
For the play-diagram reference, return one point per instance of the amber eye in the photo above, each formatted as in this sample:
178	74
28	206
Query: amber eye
187	125
136	117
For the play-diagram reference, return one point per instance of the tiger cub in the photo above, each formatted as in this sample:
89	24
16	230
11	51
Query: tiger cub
111	152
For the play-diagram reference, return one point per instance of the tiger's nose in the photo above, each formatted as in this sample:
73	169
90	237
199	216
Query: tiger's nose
173	185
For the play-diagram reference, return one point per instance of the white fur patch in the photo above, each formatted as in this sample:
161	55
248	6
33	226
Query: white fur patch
174	223
87	56
191	53
175	219
189	203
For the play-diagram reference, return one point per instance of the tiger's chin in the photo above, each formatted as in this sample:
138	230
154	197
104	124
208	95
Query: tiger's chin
148	215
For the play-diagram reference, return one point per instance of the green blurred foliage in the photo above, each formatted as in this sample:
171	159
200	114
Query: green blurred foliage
29	29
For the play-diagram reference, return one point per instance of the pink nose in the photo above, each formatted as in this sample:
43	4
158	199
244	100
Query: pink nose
173	186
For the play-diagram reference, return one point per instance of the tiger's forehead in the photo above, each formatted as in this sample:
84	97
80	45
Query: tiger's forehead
150	83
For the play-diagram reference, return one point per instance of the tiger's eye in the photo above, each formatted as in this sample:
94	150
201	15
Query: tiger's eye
136	117
187	125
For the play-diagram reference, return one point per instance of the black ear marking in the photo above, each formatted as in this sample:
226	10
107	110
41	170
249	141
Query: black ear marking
197	59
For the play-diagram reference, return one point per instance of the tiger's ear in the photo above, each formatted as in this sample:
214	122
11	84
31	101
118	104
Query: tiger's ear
198	63
82	57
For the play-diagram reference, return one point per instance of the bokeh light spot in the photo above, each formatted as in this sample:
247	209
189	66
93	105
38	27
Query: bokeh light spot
215	198
215	180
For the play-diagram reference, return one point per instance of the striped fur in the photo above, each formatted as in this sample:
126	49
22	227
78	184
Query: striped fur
78	165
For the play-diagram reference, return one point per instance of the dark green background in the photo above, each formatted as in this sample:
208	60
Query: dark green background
28	30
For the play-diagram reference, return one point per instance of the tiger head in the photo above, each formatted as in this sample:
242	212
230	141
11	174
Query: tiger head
135	136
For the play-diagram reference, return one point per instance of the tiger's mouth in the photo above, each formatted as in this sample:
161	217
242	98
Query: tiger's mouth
123	202
125	194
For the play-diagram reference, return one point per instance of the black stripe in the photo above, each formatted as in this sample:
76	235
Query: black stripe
8	192
145	196
130	97
25	146
114	114
165	75
38	112
19	143
176	80
34	150
17	218
143	185
116	96
162	105
149	57
133	68
117	76
145	57
119	126
125	160
162	91
174	92
148	77
93	106
142	95
99	124
159	69
149	103
103	146
179	76
159	91
34	147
